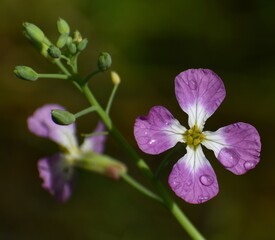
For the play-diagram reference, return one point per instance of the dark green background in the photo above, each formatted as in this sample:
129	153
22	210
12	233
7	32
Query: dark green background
150	42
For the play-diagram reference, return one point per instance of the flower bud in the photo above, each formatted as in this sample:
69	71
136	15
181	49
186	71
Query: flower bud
72	47
62	40
82	45
101	164
104	61
115	78
62	117
26	73
63	26
77	36
54	52
34	33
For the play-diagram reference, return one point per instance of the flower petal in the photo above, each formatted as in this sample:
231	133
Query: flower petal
158	131
192	177
199	93
95	143
41	124
237	146
57	176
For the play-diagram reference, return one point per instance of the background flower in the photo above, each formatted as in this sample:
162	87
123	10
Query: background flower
57	171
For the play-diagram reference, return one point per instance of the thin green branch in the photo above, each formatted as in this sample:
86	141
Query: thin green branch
53	75
62	67
111	99
89	76
85	111
141	188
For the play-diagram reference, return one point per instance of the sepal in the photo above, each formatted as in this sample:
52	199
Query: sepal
102	164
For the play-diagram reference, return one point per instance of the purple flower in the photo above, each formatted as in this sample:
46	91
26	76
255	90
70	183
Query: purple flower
57	171
237	146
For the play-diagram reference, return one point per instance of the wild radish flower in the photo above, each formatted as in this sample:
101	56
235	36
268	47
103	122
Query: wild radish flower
58	171
237	146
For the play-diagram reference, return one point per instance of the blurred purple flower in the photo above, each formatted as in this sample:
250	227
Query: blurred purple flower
237	146
57	171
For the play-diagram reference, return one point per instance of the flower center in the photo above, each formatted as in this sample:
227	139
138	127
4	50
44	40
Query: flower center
193	137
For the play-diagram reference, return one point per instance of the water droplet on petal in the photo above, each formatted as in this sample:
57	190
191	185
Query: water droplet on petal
229	157
152	141
202	199
249	164
193	84
206	180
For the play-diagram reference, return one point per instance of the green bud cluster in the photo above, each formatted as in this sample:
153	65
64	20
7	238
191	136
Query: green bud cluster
64	53
74	44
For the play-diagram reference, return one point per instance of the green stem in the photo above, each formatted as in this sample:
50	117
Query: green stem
141	188
178	214
56	76
62	67
92	100
89	76
111	99
185	222
142	165
85	111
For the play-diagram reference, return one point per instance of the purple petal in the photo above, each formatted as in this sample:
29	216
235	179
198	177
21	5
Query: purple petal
95	143
158	131
57	176
193	179
41	124
237	146
199	93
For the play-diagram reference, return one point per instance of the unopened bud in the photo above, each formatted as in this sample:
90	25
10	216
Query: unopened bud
63	26
104	61
54	52
77	36
72	47
82	45
115	78
62	117
33	32
25	73
62	40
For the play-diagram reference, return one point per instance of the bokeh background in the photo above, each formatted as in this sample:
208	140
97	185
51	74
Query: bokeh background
150	42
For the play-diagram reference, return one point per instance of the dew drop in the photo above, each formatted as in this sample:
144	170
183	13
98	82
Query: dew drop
152	141
206	180
229	157
249	164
